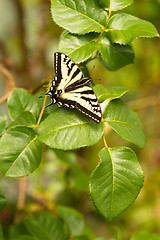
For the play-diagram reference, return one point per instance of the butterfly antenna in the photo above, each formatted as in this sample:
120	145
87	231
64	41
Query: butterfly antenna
43	95
49	104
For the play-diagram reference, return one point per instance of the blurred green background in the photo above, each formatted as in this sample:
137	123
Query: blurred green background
28	39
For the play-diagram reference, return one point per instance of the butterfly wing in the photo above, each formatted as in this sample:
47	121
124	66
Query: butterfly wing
77	92
66	70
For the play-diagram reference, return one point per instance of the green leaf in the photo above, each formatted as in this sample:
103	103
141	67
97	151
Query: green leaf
45	226
116	181
115	56
68	129
21	100
20	152
125	122
124	28
25	119
1	233
2	202
115	5
79	16
3	122
78	48
143	235
73	220
104	92
18	232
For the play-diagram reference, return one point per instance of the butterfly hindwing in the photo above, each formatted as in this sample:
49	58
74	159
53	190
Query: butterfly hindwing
75	90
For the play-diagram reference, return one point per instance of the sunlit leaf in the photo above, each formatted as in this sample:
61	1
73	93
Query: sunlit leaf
115	56
3	122
116	181
45	226
124	28
78	48
73	220
125	122
21	100
20	152
104	92
79	16
25	119
67	129
115	5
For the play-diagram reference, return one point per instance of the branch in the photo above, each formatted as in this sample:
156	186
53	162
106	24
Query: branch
8	79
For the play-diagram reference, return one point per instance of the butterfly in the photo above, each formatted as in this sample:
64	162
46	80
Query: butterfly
71	89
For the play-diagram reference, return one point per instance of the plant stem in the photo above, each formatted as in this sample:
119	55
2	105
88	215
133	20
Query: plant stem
21	193
105	143
10	80
42	110
104	29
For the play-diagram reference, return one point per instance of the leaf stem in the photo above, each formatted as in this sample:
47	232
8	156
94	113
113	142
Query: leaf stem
104	29
105	143
42	110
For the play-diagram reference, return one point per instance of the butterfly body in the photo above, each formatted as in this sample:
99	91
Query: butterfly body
71	89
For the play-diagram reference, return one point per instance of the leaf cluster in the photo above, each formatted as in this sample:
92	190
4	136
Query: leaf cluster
90	31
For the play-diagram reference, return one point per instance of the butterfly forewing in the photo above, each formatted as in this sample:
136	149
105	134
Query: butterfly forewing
76	90
67	70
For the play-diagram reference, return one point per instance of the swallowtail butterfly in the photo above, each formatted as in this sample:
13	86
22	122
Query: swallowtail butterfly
71	89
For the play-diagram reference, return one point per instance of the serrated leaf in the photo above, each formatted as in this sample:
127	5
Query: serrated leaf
78	48
116	181
1	233
67	129
3	122
143	235
20	152
115	56
73	220
25	119
115	5
125	122
79	16
2	202
124	28
104	92
45	226
21	100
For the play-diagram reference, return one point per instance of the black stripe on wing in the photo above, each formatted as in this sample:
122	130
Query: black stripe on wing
57	67
77	84
95	116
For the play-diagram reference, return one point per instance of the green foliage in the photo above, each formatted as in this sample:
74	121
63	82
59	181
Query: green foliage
73	220
125	122
20	152
104	92
66	131
90	31
116	181
115	5
124	28
19	101
3	122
